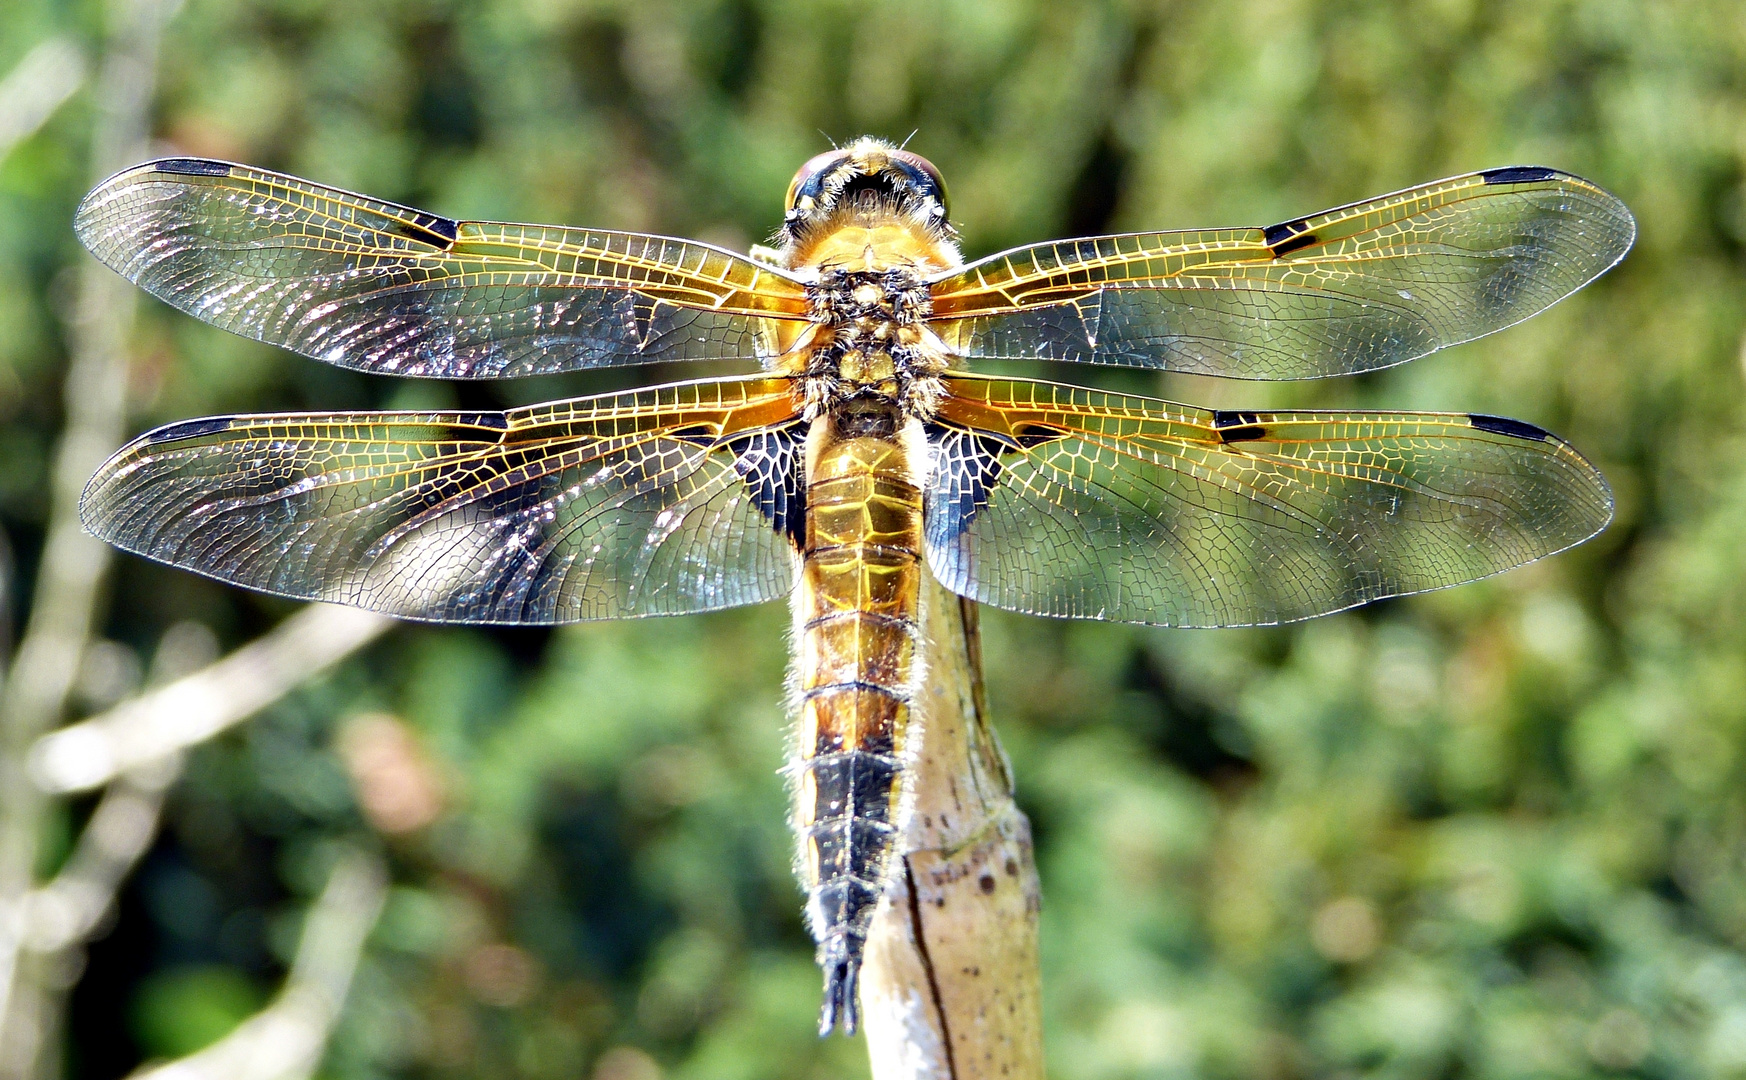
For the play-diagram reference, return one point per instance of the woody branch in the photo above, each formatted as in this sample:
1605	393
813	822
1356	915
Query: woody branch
285	1040
65	597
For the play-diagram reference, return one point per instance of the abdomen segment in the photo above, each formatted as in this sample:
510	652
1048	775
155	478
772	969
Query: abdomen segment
856	612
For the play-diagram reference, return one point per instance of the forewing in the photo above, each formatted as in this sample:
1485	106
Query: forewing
1056	500
1357	288
379	287
662	501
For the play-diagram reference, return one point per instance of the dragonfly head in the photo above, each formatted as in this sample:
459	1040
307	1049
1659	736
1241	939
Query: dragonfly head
867	176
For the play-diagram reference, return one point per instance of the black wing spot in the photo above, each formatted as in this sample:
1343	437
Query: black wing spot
1503	425
189	429
1285	230
1288	236
435	231
1301	240
494	420
188	166
696	434
1238	426
444	227
1029	436
1518	174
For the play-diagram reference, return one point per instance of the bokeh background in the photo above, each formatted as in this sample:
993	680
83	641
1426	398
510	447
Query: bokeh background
1497	831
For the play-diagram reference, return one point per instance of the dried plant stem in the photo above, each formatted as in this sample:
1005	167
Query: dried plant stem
196	707
65	595
285	1040
136	749
36	86
63	914
951	986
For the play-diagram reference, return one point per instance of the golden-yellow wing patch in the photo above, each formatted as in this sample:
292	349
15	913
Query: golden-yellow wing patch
1356	288
661	501
380	287
1057	500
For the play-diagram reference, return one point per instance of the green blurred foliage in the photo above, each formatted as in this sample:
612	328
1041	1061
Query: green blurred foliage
180	1010
1493	832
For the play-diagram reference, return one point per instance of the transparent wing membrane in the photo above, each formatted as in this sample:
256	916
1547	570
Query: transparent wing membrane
1357	288
1045	498
379	287
1056	500
657	502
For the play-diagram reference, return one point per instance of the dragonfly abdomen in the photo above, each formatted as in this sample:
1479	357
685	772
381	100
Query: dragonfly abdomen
856	613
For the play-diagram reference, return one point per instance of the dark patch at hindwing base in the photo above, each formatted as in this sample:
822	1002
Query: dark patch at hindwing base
966	469
769	462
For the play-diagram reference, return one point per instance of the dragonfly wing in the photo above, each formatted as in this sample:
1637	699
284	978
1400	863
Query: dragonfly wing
662	501
1057	500
371	285
1357	288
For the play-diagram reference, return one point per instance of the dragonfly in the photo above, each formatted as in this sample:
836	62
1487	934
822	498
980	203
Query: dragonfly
858	452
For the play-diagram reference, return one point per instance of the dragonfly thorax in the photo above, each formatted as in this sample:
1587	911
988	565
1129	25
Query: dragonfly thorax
872	343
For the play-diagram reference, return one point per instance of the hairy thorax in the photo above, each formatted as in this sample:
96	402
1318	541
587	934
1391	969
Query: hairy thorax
870	303
873	345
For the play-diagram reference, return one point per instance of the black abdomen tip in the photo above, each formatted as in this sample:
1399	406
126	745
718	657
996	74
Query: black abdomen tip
842	975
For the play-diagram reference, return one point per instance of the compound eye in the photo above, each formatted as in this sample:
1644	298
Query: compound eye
923	175
809	181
